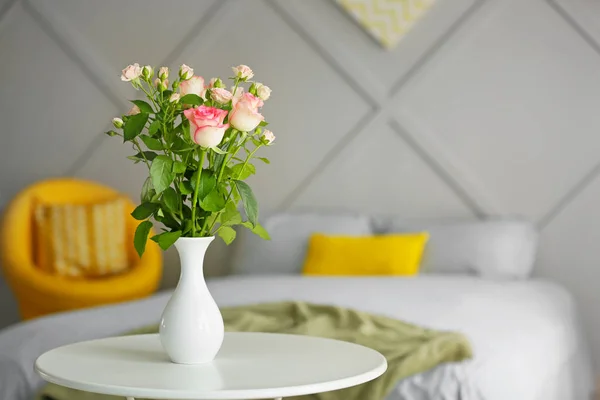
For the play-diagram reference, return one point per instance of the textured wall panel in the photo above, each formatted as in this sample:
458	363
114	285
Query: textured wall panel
513	100
375	68
108	164
311	107
49	110
121	32
107	38
584	13
379	155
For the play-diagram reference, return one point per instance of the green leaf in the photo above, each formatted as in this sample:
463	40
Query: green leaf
227	234
185	129
257	230
166	239
154	127
231	215
167	220
143	211
263	123
187	226
151	143
141	237
191	99
179	167
185	187
214	201
264	159
248	200
171	199
150	155
180	145
207	183
239	171
218	150
147	191
143	106
161	173
134	126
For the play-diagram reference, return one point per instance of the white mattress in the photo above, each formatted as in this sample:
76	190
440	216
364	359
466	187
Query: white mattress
526	336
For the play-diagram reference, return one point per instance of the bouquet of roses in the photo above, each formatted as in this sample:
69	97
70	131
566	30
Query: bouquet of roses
199	143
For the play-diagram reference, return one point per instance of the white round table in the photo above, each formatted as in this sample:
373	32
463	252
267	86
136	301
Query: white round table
248	366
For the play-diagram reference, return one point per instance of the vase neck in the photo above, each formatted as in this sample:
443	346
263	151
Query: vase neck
191	254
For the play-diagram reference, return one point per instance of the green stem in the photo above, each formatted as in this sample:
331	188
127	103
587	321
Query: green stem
231	191
247	160
137	144
226	160
195	200
150	97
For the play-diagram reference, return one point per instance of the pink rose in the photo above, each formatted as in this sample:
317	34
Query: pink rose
194	85
185	72
245	115
222	96
268	136
243	72
134	110
237	94
174	97
131	72
206	125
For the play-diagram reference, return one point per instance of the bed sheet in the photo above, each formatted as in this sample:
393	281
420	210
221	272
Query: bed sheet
525	334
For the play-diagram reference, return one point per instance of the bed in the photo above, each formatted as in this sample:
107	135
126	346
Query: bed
475	279
525	334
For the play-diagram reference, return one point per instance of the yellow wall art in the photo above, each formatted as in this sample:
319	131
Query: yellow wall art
386	20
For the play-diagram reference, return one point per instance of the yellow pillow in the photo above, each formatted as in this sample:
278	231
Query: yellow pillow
85	240
398	254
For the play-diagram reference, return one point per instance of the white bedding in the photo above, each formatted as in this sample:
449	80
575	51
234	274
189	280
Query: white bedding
525	334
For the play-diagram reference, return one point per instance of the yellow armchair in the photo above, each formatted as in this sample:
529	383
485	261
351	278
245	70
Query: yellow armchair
39	292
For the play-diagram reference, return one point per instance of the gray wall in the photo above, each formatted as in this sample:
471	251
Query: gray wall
485	108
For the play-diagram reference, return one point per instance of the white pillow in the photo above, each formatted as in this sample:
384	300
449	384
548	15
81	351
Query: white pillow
285	252
492	248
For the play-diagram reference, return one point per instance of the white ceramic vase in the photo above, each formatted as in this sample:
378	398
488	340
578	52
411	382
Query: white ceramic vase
191	328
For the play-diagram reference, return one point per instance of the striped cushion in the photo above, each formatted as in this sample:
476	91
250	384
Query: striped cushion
81	240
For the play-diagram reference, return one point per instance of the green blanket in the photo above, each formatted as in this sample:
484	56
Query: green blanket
409	349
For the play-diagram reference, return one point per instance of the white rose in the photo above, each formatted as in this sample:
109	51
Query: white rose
162	85
194	85
243	72
174	97
268	136
117	122
185	72
147	71
222	96
163	73
131	72
262	91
